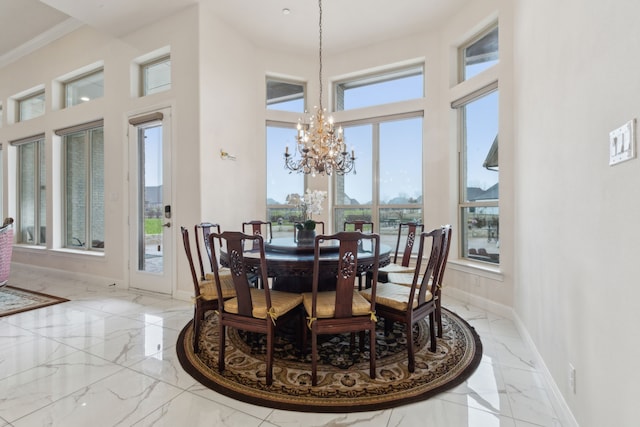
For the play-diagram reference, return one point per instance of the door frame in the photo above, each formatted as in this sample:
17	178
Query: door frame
164	283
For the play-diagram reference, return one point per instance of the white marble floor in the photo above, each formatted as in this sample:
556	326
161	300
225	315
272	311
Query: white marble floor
107	358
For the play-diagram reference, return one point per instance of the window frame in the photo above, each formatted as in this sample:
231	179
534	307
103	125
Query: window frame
369	79
462	66
376	206
143	75
464	204
31	96
79	78
303	85
87	129
38	222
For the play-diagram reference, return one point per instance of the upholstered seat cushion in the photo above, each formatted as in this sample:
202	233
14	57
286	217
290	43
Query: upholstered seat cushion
396	268
406	279
326	306
208	290
394	295
282	303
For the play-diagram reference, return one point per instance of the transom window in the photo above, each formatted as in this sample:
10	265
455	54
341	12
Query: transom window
285	96
378	89
84	88
31	106
479	54
156	75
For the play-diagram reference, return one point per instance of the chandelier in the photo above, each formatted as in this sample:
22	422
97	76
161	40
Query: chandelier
320	146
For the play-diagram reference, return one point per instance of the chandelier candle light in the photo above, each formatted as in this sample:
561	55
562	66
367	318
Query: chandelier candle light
321	147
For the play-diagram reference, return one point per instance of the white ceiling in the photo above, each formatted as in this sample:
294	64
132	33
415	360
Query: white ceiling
346	23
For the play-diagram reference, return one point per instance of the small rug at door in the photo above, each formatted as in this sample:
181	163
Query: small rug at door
16	300
344	384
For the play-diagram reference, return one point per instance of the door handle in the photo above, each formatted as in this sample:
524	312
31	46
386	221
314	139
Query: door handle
167	224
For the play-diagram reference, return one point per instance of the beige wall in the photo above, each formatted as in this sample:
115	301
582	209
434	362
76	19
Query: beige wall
577	233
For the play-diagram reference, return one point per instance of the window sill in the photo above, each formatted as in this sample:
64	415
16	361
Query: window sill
479	269
77	252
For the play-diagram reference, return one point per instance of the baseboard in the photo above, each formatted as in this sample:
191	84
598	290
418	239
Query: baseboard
480	302
558	401
25	270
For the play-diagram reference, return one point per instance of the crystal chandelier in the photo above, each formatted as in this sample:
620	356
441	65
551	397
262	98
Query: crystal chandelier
320	146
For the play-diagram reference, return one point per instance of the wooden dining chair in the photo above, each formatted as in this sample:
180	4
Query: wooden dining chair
365	227
407	232
205	291
358	225
342	310
204	229
253	310
410	304
260	228
406	279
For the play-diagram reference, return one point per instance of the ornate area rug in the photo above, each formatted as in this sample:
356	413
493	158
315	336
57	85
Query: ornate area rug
16	300
344	384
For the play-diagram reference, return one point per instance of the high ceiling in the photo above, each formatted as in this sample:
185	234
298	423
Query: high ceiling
347	24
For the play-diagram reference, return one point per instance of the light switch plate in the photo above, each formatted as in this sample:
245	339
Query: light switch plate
622	143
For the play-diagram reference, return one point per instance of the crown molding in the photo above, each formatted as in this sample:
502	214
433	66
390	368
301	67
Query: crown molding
67	26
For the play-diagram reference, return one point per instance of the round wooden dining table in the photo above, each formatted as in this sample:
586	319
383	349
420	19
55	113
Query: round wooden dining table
290	265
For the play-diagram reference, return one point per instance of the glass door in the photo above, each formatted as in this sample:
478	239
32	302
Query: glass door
150	219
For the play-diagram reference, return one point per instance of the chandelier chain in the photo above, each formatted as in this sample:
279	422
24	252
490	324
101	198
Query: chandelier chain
320	52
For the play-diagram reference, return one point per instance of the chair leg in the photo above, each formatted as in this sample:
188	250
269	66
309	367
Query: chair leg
196	329
372	352
270	333
314	358
432	331
410	354
222	333
439	317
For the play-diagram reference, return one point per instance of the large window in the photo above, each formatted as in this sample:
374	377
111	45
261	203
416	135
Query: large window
281	183
378	89
84	88
32	196
387	188
156	75
84	187
31	106
479	189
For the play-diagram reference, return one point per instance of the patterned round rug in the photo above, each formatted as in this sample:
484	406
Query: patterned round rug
344	384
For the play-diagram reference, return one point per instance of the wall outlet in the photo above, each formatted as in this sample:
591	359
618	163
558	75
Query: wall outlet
572	378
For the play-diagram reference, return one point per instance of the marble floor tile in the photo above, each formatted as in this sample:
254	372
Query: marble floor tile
108	357
118	400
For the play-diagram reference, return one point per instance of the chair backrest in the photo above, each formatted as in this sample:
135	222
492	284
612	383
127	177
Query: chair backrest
411	230
234	243
446	243
347	270
187	250
428	271
359	225
258	228
204	228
